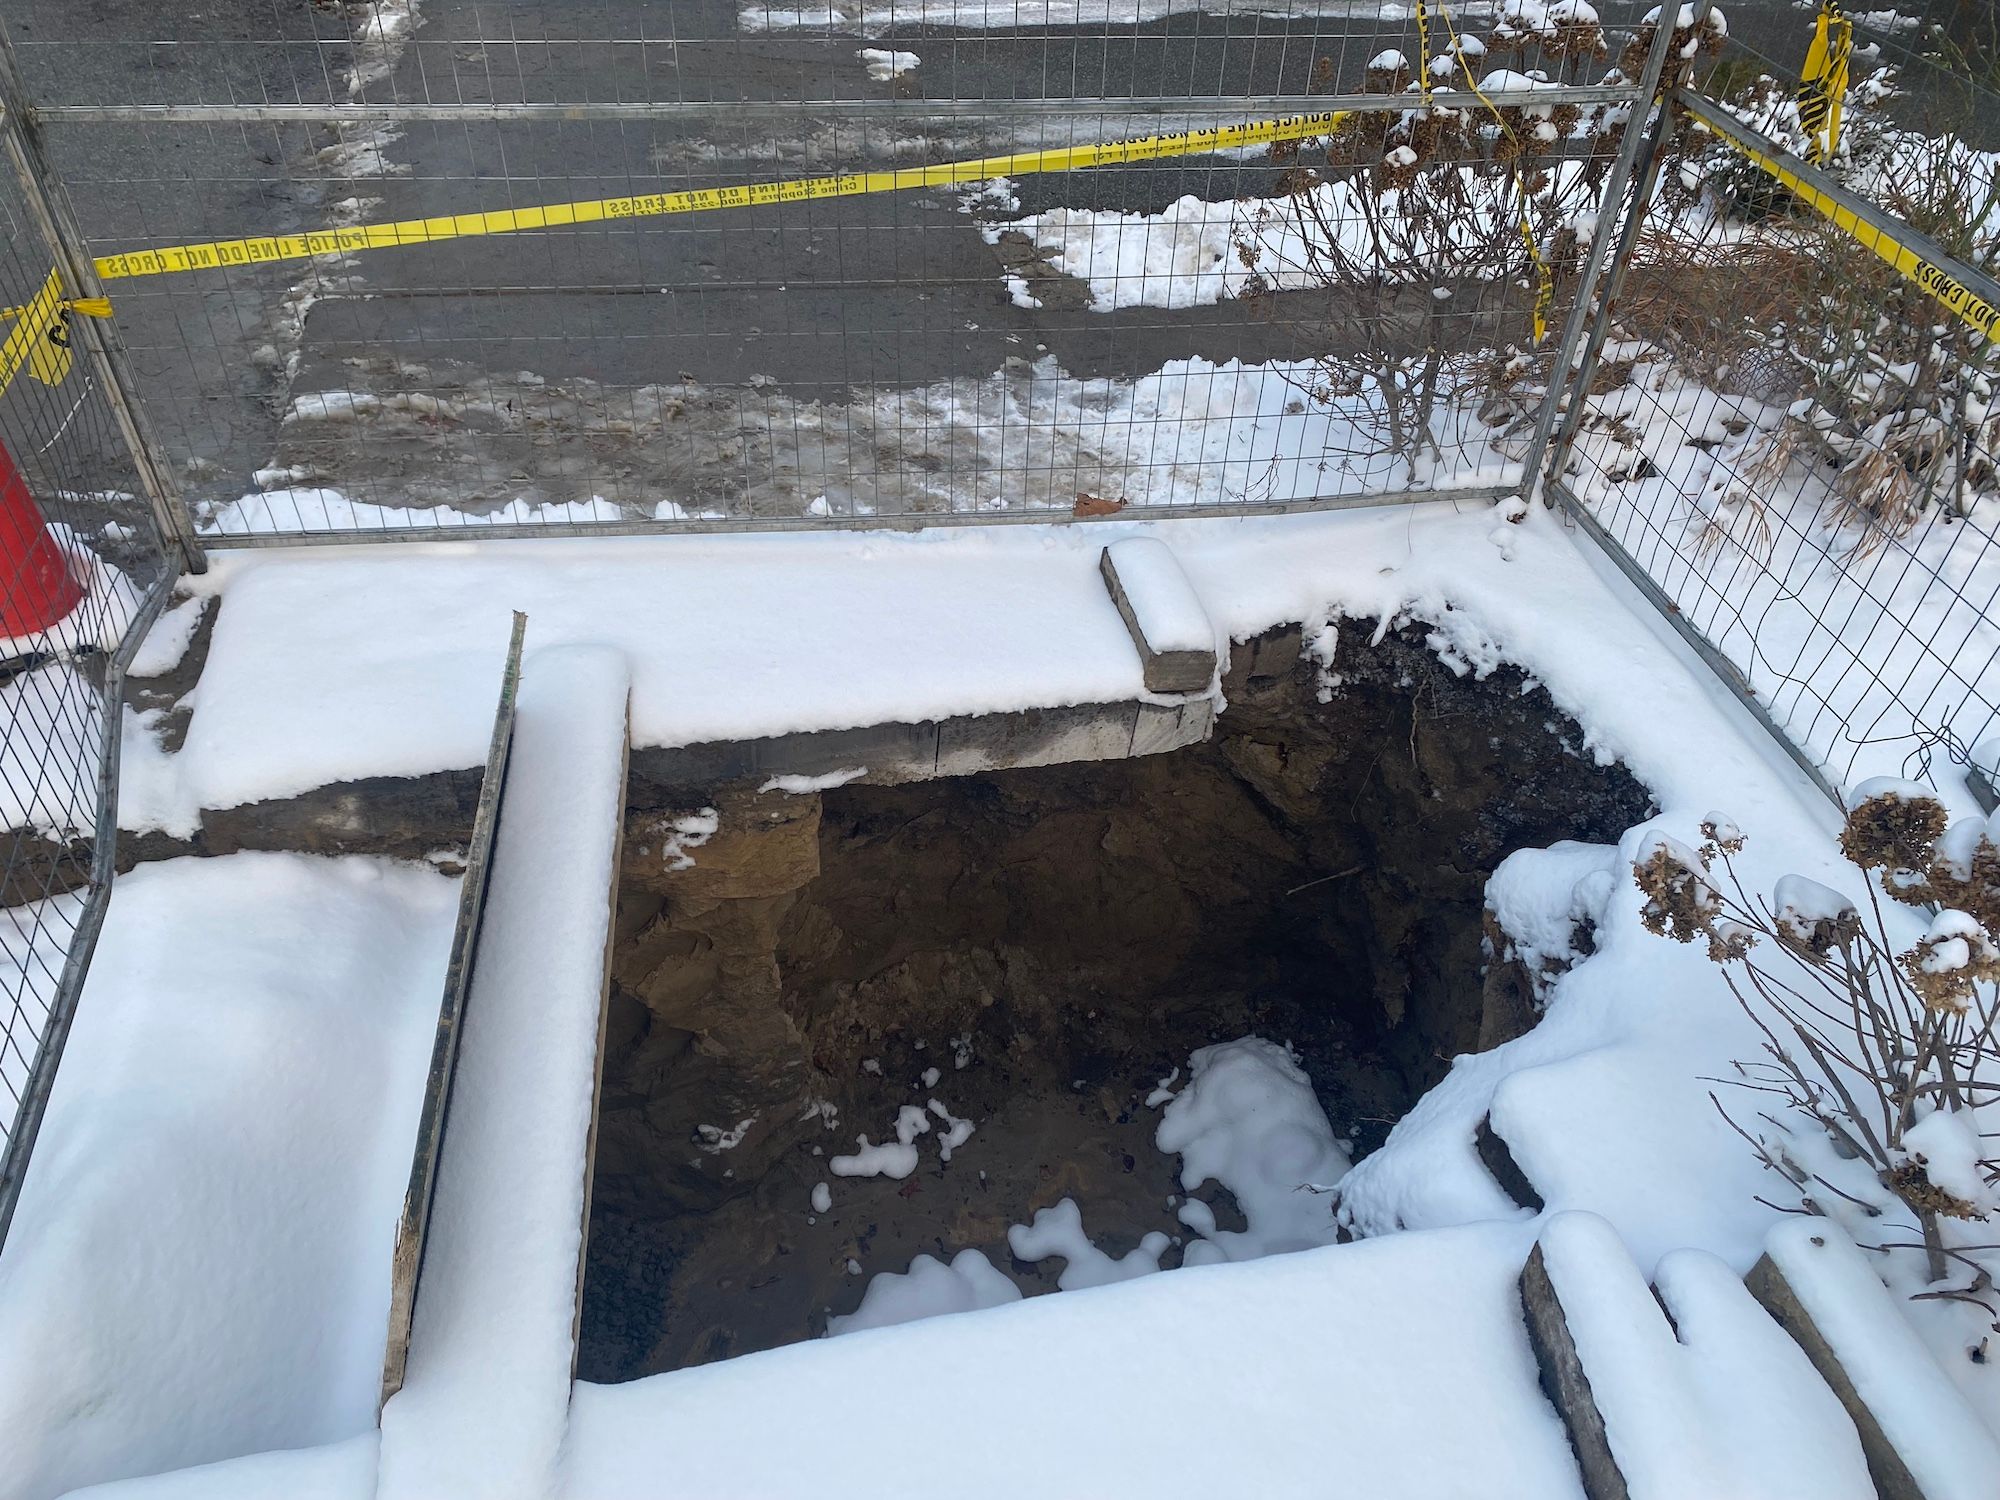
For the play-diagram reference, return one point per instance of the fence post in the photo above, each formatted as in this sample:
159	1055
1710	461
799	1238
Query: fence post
48	206
1636	141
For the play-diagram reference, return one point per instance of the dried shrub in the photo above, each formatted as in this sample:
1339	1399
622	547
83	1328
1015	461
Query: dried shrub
1864	1041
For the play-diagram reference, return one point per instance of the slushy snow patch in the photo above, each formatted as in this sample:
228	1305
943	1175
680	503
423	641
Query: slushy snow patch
884	66
929	1289
1249	1120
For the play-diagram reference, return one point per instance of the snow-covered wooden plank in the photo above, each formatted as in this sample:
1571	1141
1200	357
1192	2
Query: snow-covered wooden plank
486	1391
1164	615
1923	1441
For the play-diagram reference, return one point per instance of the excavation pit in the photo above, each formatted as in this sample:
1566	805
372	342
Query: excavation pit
1035	950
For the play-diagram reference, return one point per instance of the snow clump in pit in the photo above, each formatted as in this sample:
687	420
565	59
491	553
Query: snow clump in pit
897	1158
1059	1231
928	1289
1249	1120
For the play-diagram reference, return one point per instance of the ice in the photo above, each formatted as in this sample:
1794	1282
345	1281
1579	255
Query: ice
1163	602
1249	1120
1947	1450
486	1394
929	1289
199	1265
1058	1231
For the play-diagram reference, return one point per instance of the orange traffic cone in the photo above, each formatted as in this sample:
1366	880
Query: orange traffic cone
36	586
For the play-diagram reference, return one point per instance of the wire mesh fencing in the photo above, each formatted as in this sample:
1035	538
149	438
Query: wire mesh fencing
1017	327
1794	445
85	572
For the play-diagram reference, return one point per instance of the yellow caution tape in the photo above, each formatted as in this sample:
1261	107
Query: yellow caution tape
1823	82
265	248
1961	301
39	338
1545	276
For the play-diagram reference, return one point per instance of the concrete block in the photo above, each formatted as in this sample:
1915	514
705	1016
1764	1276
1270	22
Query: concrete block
1165	618
1172	726
1035	737
1925	1442
1499	1160
1566	1384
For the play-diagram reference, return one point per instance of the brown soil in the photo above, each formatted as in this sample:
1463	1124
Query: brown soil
1313	874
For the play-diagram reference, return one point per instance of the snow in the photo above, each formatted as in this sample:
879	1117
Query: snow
331	664
337	1471
1353	1352
800	785
486	1394
884	66
1163	602
929	1289
870	16
897	1158
97	620
1249	1120
1058	1231
320	509
1948	1451
1196	253
1912	658
955	1132
1541	896
199	1266
1730	1406
168	641
822	1198
1800	904
1946	1144
49	755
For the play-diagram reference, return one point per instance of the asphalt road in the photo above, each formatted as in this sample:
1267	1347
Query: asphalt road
510	365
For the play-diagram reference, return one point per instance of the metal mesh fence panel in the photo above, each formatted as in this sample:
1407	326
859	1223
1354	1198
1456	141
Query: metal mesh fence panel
84	574
1339	316
1792	444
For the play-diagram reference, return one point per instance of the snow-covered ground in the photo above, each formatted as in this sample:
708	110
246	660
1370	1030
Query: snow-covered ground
868	16
199	1266
330	664
1029	436
1874	651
